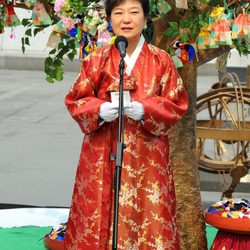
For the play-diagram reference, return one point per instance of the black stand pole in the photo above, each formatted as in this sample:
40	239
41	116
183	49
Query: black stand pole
119	155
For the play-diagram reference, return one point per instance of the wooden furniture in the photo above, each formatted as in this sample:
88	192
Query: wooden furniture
223	130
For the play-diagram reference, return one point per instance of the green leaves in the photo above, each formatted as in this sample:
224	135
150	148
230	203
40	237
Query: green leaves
28	32
53	69
173	31
243	47
184	37
27	22
188	27
53	64
185	23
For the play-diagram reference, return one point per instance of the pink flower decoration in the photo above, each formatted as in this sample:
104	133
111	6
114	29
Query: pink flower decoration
68	22
58	5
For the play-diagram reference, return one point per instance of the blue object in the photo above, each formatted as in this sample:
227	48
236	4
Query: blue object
73	32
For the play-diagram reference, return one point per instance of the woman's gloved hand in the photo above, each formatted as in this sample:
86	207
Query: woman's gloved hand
108	111
135	111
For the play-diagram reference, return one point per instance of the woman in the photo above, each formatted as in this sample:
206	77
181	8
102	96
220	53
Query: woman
147	213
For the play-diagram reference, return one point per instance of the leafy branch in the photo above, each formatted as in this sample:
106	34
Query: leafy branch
53	64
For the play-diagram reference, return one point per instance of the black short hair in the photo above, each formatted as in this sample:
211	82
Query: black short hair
111	4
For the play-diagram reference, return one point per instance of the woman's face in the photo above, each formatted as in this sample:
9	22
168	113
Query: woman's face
128	20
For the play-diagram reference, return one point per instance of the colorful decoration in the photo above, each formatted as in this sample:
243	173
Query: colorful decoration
221	33
58	232
40	16
231	215
30	3
1	21
177	61
219	26
92	30
185	52
56	35
11	19
204	38
241	26
54	239
181	4
222	29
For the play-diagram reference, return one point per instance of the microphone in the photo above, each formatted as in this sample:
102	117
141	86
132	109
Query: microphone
121	43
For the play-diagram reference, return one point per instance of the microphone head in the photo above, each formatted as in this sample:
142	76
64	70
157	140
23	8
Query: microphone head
121	39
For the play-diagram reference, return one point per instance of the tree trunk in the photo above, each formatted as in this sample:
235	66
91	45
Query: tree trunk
183	156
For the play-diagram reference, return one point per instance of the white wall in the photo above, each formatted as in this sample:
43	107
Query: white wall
13	47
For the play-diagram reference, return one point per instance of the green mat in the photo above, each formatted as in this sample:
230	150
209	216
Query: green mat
23	238
211	233
31	238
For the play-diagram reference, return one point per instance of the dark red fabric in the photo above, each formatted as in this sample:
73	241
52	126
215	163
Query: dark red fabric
231	241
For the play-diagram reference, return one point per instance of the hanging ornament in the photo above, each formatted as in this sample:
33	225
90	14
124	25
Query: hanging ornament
91	21
73	32
11	19
241	26
85	47
30	3
40	16
68	22
181	4
1	24
177	61
204	37
185	52
79	33
219	27
216	15
221	33
56	35
104	36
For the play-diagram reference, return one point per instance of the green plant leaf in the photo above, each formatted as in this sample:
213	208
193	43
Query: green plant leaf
28	32
59	74
52	52
185	23
71	56
48	62
26	21
174	25
49	79
184	37
57	62
27	41
36	30
60	45
171	33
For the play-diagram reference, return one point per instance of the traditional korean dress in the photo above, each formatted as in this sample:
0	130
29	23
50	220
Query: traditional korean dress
147	206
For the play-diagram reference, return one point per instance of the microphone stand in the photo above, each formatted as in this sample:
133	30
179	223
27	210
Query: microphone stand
119	155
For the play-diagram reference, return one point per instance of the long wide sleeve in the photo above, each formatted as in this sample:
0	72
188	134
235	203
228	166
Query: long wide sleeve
164	110
81	100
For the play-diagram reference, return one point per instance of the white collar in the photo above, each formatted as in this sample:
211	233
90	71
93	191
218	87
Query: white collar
130	61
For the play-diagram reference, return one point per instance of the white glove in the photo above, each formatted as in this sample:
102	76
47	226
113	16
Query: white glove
135	111
108	111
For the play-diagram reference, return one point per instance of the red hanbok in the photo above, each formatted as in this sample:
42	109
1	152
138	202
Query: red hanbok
147	208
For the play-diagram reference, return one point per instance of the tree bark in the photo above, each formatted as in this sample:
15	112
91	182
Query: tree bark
183	156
